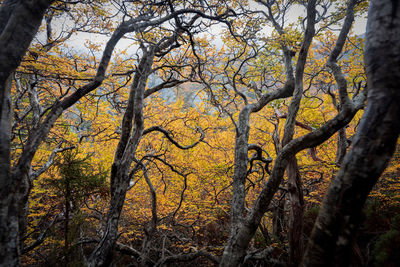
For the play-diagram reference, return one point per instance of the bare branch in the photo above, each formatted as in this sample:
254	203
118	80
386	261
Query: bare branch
42	235
49	162
332	60
169	137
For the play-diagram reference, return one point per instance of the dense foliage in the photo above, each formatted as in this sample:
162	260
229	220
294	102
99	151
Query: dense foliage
166	150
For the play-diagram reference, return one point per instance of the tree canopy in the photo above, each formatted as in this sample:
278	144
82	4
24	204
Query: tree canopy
230	133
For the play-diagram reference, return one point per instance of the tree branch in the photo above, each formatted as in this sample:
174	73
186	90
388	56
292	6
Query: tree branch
169	137
42	236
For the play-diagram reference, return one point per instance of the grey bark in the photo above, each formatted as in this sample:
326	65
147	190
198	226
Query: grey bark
131	133
23	20
373	144
132	129
232	253
15	183
18	177
295	230
294	184
250	224
240	241
296	213
341	146
235	250
20	173
151	228
19	22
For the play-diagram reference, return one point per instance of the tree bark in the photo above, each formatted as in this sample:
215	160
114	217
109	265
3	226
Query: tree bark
19	23
102	255
242	232
341	146
234	253
295	231
9	240
278	220
131	133
373	144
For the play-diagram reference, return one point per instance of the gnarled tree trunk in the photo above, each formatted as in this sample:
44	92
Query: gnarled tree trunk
295	231
372	147
19	22
130	138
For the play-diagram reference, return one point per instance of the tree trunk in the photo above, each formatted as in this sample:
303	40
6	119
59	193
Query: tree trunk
341	146
372	147
23	205
19	23
66	225
295	231
102	255
278	220
119	180
9	250
240	171
243	231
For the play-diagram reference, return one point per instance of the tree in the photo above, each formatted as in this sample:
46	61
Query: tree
372	148
240	237
16	180
78	182
240	116
18	25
